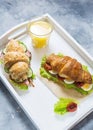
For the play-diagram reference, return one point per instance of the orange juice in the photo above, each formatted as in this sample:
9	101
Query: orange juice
40	33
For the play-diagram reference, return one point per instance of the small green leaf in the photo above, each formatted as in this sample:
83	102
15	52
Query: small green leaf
61	106
60	54
85	68
92	77
33	76
1	61
6	70
43	61
22	44
21	86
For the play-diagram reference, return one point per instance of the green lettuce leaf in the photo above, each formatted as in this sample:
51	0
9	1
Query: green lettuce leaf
33	76
61	106
6	70
1	62
85	68
21	86
60	54
43	61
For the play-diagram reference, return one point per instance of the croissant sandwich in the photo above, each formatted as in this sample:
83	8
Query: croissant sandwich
68	72
16	60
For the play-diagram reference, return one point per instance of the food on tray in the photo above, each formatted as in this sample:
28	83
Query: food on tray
16	60
15	46
68	72
65	105
11	58
40	32
19	71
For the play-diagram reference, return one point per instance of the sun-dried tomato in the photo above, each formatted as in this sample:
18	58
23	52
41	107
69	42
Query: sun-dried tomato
47	66
71	107
79	84
60	78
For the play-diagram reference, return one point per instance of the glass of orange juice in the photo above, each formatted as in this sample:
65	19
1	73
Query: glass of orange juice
40	33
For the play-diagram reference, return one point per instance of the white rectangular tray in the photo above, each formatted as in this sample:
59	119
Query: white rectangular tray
38	102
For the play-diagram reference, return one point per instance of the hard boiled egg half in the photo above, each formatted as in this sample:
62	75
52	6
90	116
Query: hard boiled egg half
67	80
52	72
87	87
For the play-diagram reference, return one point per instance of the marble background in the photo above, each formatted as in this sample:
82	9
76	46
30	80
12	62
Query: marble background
76	16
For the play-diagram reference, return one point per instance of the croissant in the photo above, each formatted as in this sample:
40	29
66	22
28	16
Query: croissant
69	67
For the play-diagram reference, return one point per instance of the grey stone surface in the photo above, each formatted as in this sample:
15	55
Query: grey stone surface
76	16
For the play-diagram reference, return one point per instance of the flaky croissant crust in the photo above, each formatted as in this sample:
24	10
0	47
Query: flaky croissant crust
69	67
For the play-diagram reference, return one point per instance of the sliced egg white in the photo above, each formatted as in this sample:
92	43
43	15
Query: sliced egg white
52	72
87	87
69	81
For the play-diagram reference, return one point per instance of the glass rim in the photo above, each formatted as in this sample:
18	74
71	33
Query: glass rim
39	34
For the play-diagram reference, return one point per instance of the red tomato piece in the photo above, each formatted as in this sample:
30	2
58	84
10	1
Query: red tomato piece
47	66
79	84
60	78
71	107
